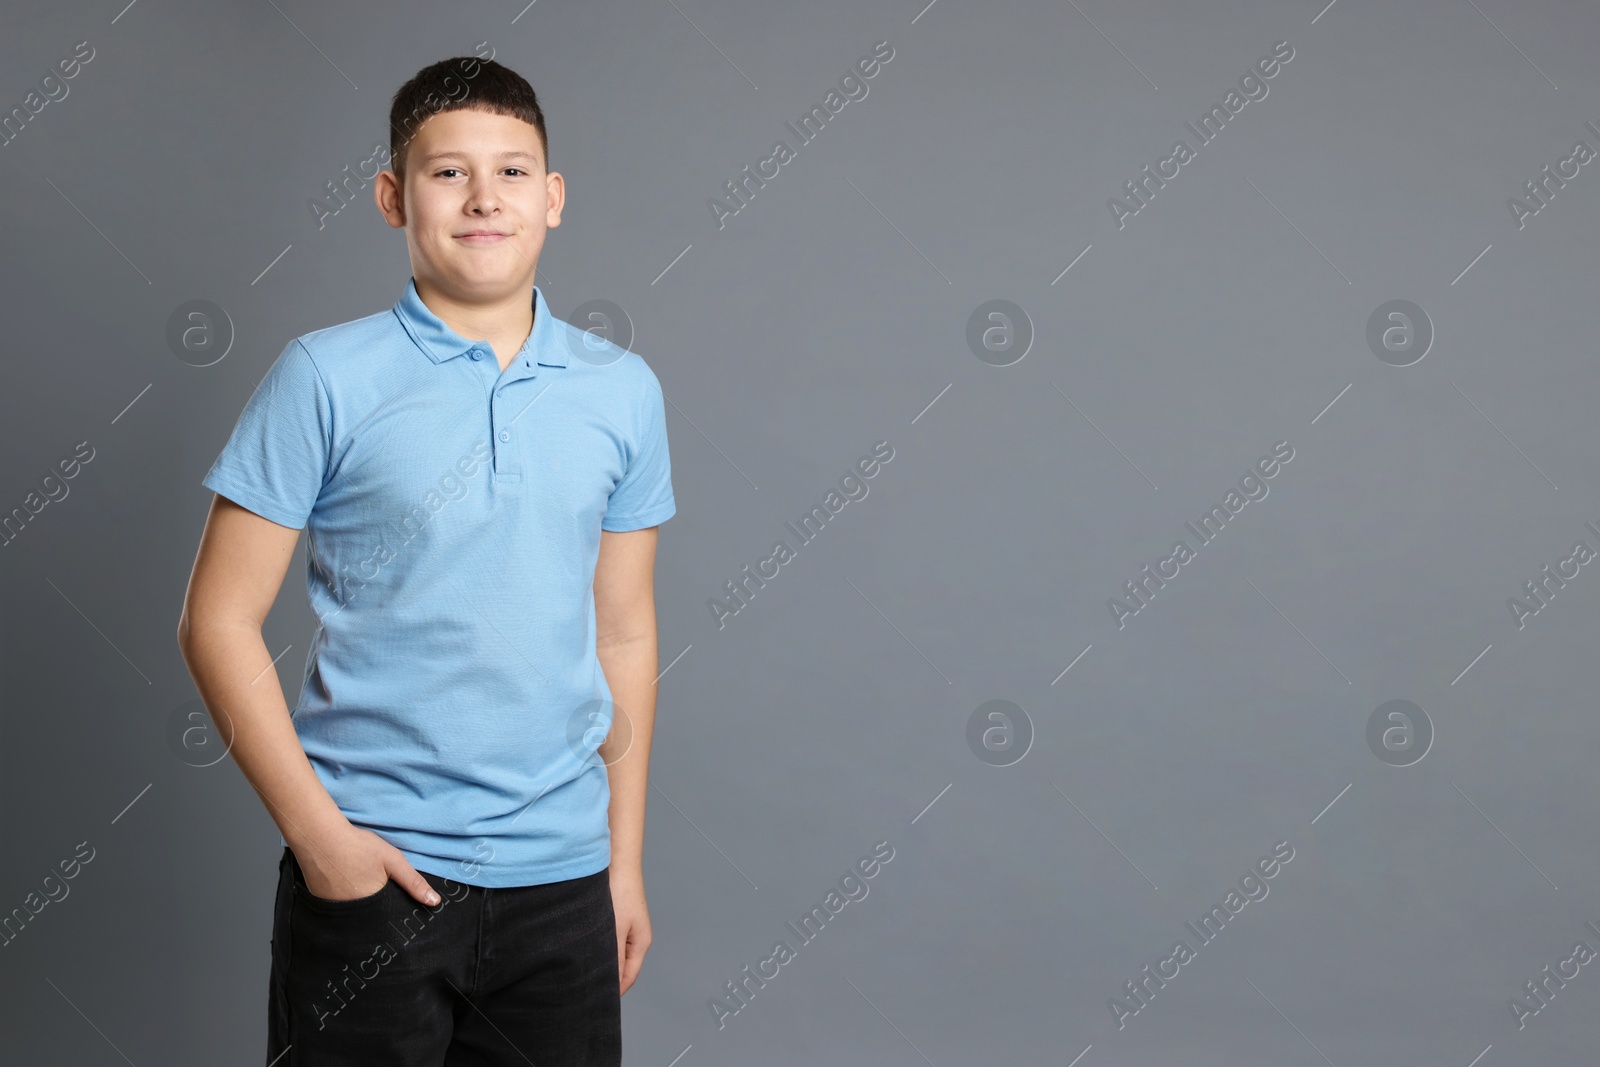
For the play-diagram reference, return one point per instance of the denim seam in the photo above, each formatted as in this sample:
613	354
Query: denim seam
477	949
289	1034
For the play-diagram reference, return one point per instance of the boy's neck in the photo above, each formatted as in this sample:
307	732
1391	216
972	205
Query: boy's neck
505	324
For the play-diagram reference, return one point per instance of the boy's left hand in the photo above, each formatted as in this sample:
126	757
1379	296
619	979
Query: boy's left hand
633	924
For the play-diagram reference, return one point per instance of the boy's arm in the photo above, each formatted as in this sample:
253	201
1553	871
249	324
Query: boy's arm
625	640
236	577
625	629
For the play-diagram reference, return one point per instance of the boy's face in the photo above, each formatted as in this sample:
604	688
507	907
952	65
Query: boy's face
476	203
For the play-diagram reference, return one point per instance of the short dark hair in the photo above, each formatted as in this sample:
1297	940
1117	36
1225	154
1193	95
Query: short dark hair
456	84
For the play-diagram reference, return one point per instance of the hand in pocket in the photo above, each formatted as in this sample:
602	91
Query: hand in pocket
357	863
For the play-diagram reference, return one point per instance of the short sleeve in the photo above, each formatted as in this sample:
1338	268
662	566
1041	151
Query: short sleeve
643	497
276	460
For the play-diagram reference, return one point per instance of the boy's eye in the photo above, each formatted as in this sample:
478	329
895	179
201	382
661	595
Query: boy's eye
447	172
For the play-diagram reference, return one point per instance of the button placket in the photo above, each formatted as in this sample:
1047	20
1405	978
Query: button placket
502	412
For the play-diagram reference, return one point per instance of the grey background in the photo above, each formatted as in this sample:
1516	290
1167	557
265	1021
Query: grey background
832	711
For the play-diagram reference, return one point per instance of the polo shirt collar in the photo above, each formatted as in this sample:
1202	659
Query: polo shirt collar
439	342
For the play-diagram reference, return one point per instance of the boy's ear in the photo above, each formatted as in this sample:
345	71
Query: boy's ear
389	193
555	199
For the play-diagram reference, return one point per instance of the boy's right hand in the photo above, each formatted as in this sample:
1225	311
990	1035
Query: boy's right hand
357	863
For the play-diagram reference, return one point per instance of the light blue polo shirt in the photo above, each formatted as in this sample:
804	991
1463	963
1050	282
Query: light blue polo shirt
452	700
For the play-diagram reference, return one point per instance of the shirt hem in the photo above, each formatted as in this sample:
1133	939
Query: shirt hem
638	522
250	502
506	878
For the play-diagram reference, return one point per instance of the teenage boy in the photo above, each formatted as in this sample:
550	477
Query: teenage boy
481	485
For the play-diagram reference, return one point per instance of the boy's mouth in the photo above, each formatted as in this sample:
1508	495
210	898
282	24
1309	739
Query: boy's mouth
482	236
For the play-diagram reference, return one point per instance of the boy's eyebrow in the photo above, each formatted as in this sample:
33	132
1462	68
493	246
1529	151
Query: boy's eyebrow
432	157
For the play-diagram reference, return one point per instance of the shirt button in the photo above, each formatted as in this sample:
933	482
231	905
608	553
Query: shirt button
505	435
476	355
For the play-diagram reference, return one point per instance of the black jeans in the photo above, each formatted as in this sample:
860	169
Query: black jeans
487	976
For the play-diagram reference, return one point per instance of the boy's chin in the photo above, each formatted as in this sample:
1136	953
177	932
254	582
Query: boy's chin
481	277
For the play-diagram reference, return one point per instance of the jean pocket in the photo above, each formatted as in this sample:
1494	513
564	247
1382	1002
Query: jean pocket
303	893
325	904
